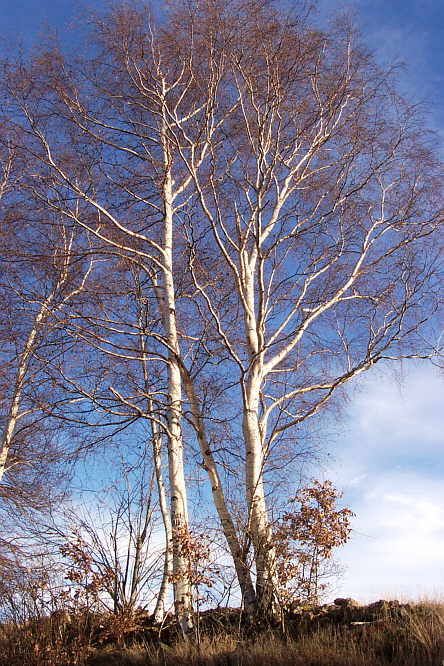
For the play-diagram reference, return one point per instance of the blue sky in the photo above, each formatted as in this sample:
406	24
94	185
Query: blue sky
409	32
389	455
389	459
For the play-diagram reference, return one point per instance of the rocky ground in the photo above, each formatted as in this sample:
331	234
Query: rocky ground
297	621
343	633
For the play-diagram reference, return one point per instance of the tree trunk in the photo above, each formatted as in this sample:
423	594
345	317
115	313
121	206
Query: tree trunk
159	611
258	523
24	358
240	564
178	496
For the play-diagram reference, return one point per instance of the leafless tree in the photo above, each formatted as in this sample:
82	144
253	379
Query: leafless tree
282	203
84	193
43	268
108	543
323	197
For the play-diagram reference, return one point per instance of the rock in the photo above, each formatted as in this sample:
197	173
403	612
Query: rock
348	602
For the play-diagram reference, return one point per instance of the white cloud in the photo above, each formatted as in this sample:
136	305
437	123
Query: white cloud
390	466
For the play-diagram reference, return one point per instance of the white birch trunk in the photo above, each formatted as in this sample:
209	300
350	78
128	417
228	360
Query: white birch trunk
39	320
160	609
242	570
14	410
178	495
258	526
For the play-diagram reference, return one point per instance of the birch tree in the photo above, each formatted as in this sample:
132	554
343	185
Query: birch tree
129	132
76	194
281	199
323	198
43	270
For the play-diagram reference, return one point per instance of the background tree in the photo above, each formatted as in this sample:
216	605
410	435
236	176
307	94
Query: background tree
108	546
43	268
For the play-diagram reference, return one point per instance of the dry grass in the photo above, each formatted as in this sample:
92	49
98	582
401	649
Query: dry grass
415	638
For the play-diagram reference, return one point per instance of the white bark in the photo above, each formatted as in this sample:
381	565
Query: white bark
40	320
13	414
160	608
286	147
209	464
178	495
20	377
258	523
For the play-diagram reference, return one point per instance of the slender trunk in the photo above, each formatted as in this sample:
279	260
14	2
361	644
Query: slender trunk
8	434
24	358
13	415
240	564
160	609
142	526
135	575
178	496
259	526
161	605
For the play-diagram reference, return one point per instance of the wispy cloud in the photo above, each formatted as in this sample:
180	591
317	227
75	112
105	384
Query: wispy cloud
390	465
